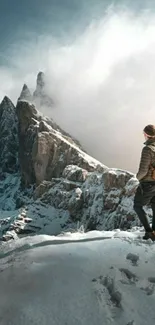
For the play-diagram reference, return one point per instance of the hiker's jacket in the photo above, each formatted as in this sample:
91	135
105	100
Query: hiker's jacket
147	159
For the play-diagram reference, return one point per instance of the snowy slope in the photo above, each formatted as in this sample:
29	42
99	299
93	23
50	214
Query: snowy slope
78	279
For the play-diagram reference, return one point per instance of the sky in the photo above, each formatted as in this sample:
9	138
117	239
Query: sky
99	59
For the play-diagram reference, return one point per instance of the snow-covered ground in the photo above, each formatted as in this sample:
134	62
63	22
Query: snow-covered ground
78	279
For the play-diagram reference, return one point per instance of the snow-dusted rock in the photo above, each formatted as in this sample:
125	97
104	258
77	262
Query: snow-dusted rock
115	178
26	132
75	173
40	95
26	94
42	188
8	136
57	183
52	153
44	152
62	204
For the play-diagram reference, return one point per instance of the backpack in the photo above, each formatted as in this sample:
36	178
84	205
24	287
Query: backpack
152	166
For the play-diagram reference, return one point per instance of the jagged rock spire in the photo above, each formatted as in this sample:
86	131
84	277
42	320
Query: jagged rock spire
6	108
41	80
25	94
6	102
41	98
27	118
8	136
40	86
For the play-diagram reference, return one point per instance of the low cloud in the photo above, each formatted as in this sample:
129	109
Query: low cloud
103	83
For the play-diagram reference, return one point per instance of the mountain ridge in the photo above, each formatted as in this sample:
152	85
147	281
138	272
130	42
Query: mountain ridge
57	185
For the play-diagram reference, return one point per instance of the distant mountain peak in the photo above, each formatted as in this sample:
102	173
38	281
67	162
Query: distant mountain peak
25	94
6	106
6	100
40	96
41	79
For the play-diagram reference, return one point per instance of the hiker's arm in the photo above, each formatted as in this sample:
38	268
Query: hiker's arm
145	162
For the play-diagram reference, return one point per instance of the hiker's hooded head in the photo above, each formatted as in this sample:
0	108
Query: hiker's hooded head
149	132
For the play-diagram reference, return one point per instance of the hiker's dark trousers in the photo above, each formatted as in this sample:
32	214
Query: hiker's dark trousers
145	195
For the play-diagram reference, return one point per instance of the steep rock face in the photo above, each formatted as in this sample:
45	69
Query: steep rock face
43	151
52	153
26	132
8	136
40	96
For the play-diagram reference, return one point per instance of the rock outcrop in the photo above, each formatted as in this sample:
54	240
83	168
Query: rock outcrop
8	136
27	130
26	94
41	98
52	153
67	203
43	151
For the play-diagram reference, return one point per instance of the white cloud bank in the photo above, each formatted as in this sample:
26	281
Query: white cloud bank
103	83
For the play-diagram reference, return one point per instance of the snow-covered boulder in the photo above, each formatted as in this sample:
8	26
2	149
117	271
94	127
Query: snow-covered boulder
75	173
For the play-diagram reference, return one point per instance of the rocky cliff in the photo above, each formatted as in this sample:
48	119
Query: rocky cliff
47	182
8	136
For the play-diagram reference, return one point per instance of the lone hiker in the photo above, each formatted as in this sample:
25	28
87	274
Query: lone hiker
145	193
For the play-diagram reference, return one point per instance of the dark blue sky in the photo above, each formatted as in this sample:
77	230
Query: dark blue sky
19	17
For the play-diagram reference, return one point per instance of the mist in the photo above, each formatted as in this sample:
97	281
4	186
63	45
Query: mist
102	82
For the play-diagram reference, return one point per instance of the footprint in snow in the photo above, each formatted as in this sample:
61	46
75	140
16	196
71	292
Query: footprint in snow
108	285
151	279
133	258
115	295
129	277
150	287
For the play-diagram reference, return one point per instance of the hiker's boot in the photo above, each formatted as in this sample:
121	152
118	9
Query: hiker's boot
147	235
152	235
